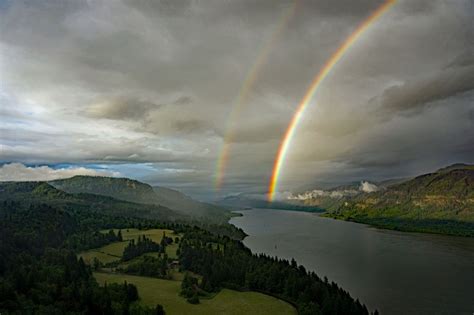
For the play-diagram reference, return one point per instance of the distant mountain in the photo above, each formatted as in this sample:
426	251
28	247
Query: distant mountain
41	193
442	202
247	201
44	193
332	198
138	192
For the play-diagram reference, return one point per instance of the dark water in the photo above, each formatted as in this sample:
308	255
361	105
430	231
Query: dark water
395	272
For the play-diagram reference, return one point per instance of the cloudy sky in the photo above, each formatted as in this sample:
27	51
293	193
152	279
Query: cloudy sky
145	89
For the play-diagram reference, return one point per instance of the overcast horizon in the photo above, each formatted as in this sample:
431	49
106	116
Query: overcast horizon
145	90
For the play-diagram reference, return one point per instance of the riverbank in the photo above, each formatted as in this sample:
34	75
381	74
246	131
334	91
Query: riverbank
419	268
432	226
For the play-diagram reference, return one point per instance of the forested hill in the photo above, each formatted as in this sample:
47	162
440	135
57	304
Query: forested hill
120	188
138	192
42	192
442	202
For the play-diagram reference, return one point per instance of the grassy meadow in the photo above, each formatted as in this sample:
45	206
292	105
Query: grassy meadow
154	291
166	292
113	252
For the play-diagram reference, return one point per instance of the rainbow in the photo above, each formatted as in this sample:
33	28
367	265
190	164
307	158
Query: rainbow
244	92
318	79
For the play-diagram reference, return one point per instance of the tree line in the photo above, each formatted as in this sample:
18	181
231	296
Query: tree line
142	246
230	264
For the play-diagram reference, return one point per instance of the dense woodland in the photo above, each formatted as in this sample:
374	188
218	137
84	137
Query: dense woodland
142	246
223	262
40	272
149	266
105	212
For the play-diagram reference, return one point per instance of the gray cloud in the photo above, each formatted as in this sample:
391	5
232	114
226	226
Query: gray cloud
129	108
121	109
455	79
154	82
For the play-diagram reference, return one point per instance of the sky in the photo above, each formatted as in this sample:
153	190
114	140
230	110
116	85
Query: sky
145	89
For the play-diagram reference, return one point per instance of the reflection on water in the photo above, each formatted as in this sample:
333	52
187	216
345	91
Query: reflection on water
395	272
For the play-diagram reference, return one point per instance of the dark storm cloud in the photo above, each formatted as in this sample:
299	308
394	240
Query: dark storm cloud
442	135
455	79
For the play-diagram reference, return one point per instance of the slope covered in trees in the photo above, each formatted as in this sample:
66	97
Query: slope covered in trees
40	273
34	192
89	204
439	202
138	192
223	262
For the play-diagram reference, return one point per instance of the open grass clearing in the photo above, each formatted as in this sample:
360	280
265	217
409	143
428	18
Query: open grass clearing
154	234
113	252
166	292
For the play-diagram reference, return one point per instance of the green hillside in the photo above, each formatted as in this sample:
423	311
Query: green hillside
138	192
42	192
35	192
439	202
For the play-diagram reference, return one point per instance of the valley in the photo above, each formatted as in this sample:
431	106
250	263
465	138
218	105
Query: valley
97	254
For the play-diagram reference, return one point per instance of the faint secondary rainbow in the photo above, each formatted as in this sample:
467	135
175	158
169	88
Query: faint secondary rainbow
244	91
318	79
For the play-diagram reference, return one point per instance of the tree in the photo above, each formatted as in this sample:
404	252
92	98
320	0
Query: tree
159	310
96	264
132	292
194	299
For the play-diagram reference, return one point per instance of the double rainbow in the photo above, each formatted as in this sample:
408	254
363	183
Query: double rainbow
318	79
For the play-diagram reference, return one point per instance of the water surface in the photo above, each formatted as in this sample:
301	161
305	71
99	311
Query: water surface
395	272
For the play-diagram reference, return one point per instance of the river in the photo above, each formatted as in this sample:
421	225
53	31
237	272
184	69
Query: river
394	272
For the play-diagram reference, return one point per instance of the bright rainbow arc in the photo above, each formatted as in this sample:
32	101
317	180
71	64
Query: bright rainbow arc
245	89
318	79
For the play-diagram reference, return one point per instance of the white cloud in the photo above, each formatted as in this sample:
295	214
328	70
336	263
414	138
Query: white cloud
21	172
317	193
368	187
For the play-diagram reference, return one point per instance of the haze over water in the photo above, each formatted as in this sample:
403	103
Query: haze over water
394	272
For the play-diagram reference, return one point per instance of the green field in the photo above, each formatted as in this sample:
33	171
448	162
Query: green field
114	251
154	291
166	292
154	234
89	255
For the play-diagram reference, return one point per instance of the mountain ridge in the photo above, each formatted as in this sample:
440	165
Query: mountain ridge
43	192
139	192
444	198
